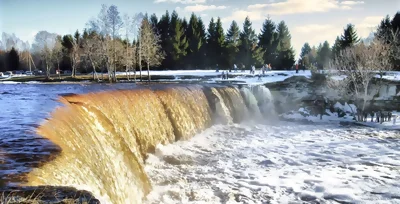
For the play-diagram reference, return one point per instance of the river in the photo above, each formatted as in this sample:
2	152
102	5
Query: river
246	163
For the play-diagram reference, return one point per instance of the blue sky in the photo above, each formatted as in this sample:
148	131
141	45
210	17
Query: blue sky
310	21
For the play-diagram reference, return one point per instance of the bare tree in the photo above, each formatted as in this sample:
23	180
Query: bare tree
150	46
129	57
58	53
357	66
93	52
44	44
107	25
116	24
137	19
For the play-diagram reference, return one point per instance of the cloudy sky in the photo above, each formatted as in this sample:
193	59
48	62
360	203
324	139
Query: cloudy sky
310	21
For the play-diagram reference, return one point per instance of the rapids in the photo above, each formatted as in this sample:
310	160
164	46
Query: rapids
189	143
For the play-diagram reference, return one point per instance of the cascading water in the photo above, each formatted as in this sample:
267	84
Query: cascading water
105	137
251	102
265	100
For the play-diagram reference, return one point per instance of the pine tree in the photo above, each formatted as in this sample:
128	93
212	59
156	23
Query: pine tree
232	43
220	44
396	30
304	59
154	22
305	49
178	40
285	52
184	25
384	28
249	53
267	40
312	56
201	62
12	60
163	28
193	40
349	37
396	22
323	55
211	45
336	47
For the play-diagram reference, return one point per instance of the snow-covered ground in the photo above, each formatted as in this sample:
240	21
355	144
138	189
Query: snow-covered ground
349	109
239	77
287	163
234	77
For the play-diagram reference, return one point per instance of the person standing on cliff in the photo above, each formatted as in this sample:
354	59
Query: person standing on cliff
297	68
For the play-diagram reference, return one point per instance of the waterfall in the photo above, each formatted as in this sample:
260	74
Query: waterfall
105	137
251	103
265	101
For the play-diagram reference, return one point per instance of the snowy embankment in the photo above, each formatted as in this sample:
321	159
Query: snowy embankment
238	77
346	113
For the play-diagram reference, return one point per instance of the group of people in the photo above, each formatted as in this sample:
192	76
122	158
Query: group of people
380	116
265	68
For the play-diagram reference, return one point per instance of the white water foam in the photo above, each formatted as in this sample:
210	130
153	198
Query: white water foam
278	164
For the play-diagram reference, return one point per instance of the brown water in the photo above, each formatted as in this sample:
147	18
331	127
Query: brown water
105	136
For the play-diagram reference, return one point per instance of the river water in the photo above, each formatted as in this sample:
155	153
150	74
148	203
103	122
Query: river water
245	163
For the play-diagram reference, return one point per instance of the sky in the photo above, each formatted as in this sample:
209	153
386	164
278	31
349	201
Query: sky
312	21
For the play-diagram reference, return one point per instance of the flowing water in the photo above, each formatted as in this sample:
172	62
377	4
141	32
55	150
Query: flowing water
207	144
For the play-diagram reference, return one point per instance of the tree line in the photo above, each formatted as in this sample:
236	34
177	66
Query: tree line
321	56
112	42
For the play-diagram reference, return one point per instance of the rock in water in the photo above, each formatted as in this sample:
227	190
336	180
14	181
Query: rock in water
46	194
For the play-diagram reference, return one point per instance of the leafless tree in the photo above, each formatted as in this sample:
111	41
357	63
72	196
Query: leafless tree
93	52
129	57
44	44
150	46
137	20
357	66
108	24
58	53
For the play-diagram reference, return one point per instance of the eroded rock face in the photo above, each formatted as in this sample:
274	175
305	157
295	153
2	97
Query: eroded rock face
46	195
299	91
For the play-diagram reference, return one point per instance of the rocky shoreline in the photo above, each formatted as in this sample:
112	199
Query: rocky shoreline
45	195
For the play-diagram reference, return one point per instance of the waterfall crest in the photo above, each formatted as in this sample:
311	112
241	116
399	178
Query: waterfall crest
105	137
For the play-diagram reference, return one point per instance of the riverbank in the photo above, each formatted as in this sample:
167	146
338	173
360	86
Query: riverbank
162	76
45	195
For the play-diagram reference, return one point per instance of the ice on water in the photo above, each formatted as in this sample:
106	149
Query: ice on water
278	164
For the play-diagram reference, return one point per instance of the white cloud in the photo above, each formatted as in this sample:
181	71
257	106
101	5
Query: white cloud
242	14
312	28
314	34
351	2
302	6
367	25
318	33
200	8
181	1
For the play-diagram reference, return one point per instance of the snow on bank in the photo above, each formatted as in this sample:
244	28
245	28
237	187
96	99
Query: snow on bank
277	164
349	110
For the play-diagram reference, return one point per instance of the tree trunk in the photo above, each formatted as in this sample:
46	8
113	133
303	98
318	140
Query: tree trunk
94	69
140	58
134	73
59	71
73	66
148	71
47	71
365	95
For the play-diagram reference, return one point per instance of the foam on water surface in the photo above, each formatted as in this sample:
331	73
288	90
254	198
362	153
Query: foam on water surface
278	164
